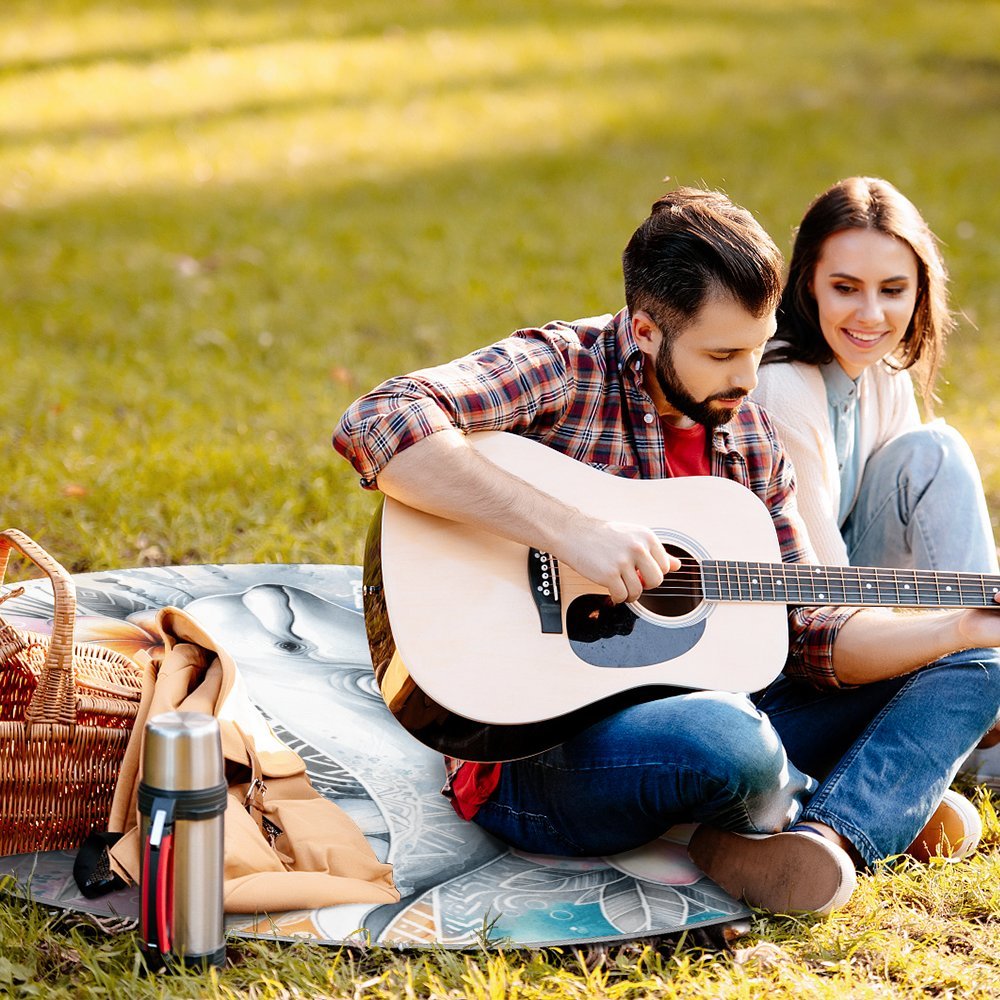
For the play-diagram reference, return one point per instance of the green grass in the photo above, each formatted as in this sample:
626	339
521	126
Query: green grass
221	221
910	932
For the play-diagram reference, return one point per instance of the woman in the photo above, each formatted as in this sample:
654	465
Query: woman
865	304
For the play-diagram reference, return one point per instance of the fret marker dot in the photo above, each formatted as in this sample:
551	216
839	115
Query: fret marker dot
780	582
823	596
868	586
947	588
753	579
906	586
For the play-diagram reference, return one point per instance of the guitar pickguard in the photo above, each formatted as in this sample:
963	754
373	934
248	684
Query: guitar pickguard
612	635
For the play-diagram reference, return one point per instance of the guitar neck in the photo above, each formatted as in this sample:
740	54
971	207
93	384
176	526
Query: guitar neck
801	583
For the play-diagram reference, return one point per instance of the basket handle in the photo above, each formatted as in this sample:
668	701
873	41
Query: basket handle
54	700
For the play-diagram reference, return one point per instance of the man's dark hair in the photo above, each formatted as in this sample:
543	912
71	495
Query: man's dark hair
694	244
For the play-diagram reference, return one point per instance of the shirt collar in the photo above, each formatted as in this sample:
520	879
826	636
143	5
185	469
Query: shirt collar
630	357
722	440
840	387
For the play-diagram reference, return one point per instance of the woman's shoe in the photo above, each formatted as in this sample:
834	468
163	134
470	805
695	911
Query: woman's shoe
953	831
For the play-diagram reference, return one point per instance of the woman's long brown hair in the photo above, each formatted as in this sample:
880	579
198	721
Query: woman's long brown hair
866	203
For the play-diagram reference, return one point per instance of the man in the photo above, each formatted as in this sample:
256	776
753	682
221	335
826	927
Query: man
852	749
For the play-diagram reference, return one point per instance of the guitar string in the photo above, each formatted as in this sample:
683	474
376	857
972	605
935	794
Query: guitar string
802	582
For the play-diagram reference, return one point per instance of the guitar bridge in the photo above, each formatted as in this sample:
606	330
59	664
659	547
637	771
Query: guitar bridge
543	578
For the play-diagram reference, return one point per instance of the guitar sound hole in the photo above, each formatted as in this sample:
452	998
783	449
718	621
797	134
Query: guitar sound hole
680	593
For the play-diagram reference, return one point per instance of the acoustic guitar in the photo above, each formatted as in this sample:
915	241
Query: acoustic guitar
489	650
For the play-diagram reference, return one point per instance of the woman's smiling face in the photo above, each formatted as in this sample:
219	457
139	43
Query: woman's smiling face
865	285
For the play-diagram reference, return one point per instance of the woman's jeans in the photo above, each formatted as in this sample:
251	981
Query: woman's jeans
921	506
886	752
872	761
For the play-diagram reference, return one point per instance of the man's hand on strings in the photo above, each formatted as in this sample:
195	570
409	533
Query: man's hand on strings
624	558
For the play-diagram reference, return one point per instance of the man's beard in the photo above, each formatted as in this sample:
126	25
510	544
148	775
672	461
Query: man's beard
680	399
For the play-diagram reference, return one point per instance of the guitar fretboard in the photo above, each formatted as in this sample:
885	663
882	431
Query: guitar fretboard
800	583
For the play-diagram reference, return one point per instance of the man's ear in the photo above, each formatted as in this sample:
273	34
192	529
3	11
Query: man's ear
646	333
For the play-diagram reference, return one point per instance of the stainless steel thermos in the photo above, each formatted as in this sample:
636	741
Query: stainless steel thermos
182	799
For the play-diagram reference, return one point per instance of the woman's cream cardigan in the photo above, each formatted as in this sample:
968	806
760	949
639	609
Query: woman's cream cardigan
794	395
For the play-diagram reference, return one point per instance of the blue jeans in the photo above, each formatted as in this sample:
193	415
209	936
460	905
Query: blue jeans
921	506
696	756
884	753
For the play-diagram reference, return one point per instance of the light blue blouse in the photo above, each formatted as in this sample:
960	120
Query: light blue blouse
842	401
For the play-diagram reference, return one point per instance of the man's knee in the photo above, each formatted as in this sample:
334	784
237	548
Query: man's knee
762	790
737	737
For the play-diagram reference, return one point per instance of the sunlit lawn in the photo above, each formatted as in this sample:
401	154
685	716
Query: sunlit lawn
222	221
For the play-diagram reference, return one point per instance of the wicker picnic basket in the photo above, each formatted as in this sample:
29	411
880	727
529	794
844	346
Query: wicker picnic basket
66	712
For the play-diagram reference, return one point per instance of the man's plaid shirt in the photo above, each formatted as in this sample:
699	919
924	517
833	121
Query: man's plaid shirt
577	387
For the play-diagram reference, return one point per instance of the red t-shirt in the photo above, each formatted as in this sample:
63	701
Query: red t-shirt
686	455
686	450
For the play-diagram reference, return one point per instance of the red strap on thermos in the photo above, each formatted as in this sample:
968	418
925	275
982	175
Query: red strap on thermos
157	889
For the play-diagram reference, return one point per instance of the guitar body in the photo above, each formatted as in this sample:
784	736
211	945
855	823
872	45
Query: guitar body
456	630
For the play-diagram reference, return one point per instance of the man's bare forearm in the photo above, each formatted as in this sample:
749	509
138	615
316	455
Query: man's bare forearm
878	643
444	475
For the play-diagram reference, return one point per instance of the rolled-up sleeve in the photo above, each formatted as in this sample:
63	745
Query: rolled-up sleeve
515	384
812	632
386	421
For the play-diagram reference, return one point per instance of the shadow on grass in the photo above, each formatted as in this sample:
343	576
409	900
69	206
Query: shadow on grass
247	23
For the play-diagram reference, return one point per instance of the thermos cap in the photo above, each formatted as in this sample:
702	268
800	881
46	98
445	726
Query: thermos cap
182	752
